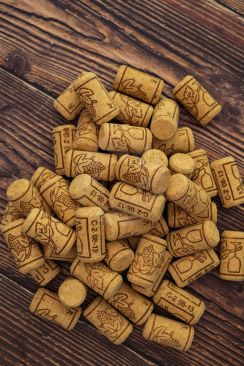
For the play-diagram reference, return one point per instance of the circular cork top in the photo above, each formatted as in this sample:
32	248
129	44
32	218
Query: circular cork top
182	163
211	233
155	156
182	82
178	185
17	189
222	161
80	185
72	292
103	136
121	259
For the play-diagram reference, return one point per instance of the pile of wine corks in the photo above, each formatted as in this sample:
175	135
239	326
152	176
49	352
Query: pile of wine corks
129	205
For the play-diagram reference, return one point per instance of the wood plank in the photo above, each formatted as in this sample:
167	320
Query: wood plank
233	5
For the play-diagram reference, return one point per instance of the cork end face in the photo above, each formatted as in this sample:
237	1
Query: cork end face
103	136
178	185
155	156
210	116
17	189
147	314
113	287
201	310
149	139
122	260
181	83
182	163
211	233
72	292
126	333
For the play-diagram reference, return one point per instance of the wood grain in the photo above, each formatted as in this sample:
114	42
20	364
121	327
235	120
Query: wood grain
44	45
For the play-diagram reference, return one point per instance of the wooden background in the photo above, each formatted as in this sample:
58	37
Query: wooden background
43	46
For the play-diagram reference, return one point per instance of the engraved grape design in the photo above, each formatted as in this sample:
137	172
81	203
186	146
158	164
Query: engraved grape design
86	95
87	165
136	174
95	273
147	262
20	247
110	321
122	303
131	87
11	214
163	336
61	201
133	110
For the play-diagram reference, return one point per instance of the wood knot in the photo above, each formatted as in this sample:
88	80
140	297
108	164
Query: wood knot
17	62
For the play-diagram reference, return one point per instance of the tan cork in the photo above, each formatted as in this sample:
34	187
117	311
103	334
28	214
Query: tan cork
72	292
182	142
155	156
119	255
63	137
85	137
165	119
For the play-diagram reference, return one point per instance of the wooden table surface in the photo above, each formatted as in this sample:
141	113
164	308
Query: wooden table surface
43	46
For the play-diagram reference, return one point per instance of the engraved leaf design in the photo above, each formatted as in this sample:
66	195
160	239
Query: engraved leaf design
111	321
44	233
162	336
120	301
86	95
20	247
147	261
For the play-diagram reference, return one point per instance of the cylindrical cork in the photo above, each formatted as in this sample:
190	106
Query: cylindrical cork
97	276
88	192
138	84
25	250
72	292
98	165
182	163
47	305
56	193
46	273
119	225
228	181
159	228
95	98
133	242
148	257
10	214
196	100
182	142
124	138
24	196
90	229
179	302
155	156
151	290
188	195
85	137
191	267
47	230
232	256
132	305
132	111
68	104
165	119
194	238
140	173
202	175
119	255
136	202
41	176
63	137
50	254
108	321
168	332
178	217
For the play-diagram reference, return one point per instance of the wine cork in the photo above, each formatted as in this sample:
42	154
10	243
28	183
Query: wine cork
10	214
97	276
46	273
196	100
124	138
133	242
140	173
90	234
56	193
85	137
188	195
228	181
88	192
47	230
132	111
98	165
72	292
26	253
159	228
164	265
41	176
182	163
191	267
138	84
108	321
148	257
50	254
24	196
119	225
155	156
182	142
47	305
119	255
179	302
136	202
63	137
202	175
165	119
95	98
132	305
178	217
194	238
168	332
232	256
68	104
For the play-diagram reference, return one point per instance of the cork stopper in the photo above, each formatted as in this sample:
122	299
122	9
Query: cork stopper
182	163
165	119
155	156
177	188
45	273
72	292
118	255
